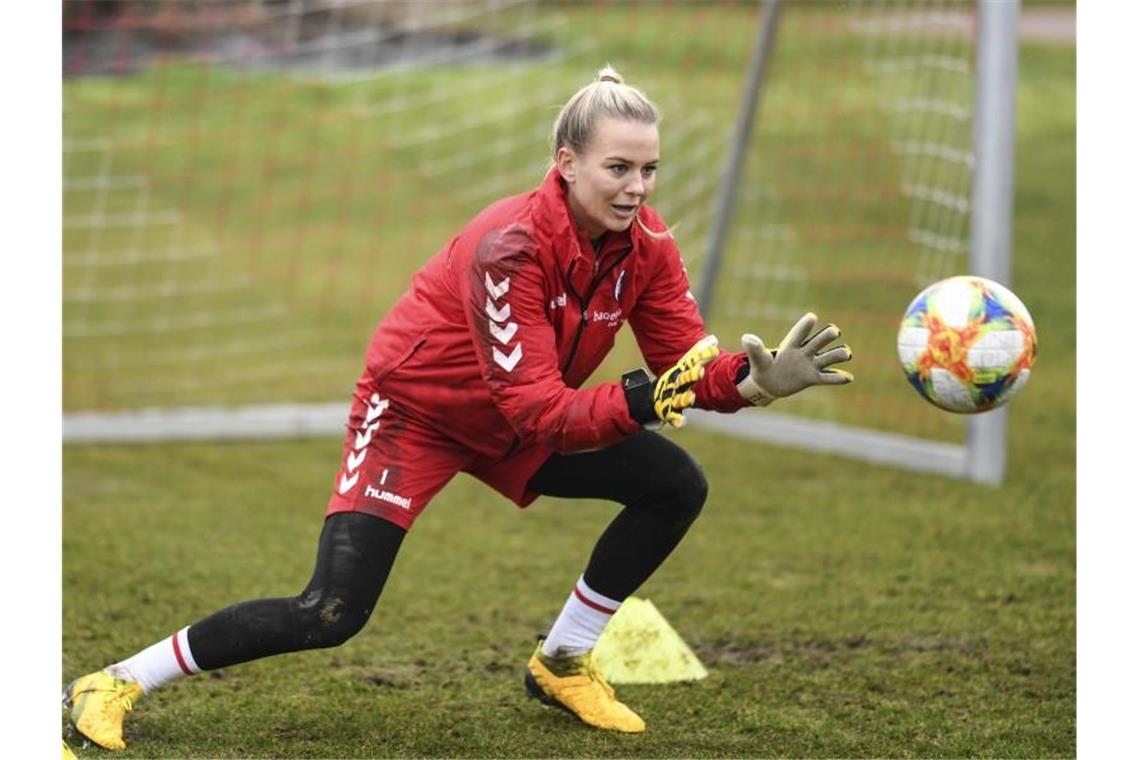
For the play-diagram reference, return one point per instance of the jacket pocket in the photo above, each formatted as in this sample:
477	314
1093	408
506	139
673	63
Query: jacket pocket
401	359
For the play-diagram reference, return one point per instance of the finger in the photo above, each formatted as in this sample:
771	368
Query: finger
822	338
799	332
758	356
703	350
833	356
693	363
684	400
690	376
835	377
707	343
676	419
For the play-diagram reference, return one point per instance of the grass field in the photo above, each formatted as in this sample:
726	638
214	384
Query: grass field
843	610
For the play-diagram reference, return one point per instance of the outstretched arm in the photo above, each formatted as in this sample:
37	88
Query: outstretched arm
666	321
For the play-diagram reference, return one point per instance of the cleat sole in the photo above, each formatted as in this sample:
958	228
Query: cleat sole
535	691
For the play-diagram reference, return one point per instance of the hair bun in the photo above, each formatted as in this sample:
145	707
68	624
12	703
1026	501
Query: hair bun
608	74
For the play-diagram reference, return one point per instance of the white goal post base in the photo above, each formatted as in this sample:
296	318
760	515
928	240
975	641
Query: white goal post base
867	445
298	420
206	423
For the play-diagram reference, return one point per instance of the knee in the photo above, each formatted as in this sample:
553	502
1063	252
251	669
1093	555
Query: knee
329	619
686	488
697	488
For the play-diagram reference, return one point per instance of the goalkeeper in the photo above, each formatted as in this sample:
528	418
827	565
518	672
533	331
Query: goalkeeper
478	368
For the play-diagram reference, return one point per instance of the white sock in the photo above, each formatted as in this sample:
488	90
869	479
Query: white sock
161	662
580	623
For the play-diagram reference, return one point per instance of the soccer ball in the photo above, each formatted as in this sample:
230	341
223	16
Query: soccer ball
966	344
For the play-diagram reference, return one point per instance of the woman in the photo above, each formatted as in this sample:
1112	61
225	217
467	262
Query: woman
477	368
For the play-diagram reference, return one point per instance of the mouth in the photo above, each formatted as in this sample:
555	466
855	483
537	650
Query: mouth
623	210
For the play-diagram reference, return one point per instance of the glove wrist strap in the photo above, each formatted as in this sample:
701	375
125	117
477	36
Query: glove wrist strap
753	393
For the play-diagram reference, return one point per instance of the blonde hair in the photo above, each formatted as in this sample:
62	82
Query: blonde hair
608	96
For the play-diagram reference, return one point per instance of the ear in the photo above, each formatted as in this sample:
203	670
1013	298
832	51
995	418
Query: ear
565	160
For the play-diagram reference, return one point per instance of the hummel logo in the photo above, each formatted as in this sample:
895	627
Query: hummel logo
364	437
347	482
388	496
507	362
500	328
496	290
378	405
499	315
504	335
355	458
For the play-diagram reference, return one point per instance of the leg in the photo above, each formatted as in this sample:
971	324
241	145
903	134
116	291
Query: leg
354	557
662	489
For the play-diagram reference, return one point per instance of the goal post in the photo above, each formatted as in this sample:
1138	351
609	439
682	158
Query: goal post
991	234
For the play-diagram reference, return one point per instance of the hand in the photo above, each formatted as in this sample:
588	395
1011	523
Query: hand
798	363
672	392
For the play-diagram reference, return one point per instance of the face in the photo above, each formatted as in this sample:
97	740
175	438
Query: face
609	180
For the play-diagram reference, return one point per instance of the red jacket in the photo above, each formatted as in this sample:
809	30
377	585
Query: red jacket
501	327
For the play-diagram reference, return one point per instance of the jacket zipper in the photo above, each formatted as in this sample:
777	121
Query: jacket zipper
584	305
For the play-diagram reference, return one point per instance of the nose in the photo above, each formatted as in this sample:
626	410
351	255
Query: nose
636	185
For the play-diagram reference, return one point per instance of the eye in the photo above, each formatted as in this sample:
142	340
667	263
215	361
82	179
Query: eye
648	171
618	169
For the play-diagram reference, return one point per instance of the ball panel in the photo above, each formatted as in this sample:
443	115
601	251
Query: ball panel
911	343
1008	300
950	394
956	302
915	315
996	351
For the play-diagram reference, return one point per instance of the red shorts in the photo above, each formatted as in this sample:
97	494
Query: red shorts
393	464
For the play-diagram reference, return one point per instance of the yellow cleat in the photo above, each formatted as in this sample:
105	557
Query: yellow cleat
575	685
98	702
67	753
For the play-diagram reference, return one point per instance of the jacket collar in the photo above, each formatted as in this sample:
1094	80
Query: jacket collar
569	242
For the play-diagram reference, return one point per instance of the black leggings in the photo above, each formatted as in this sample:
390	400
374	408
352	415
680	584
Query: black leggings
354	556
661	487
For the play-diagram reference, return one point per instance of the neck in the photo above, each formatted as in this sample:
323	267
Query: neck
577	215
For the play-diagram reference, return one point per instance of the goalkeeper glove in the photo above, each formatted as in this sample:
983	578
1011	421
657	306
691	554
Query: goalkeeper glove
666	398
798	363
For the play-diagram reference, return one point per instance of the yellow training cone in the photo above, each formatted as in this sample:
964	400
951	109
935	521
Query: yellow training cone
639	646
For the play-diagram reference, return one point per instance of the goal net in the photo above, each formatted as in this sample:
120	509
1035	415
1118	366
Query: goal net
249	184
855	192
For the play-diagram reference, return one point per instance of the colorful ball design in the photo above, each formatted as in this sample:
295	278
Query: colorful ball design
967	344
